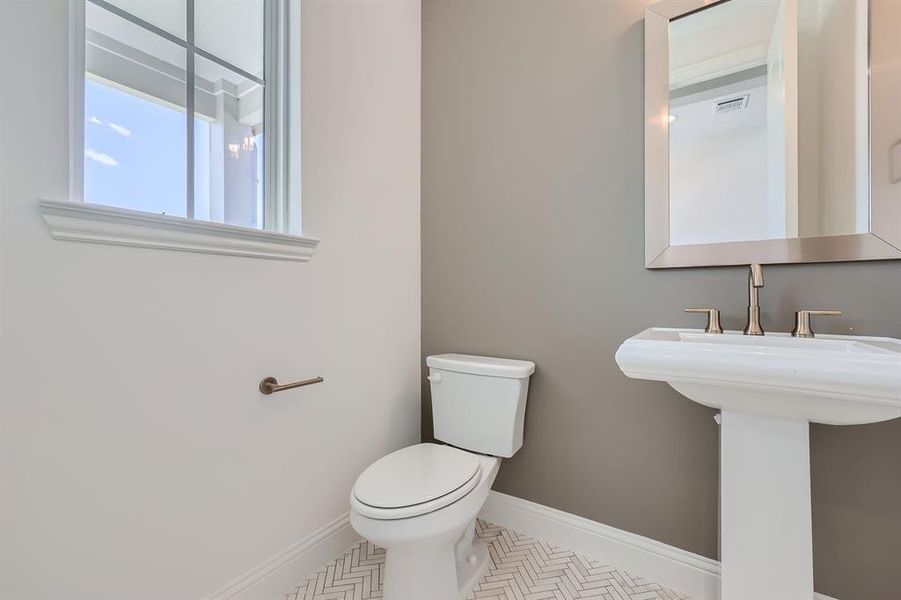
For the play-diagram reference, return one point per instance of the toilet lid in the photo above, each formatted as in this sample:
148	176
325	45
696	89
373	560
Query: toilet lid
415	475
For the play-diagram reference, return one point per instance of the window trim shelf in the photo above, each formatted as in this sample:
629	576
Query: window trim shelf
93	223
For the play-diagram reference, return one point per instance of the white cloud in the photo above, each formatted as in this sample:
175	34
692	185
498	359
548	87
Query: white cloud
102	158
123	131
95	121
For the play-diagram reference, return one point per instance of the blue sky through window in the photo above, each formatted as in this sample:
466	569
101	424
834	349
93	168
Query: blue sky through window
135	153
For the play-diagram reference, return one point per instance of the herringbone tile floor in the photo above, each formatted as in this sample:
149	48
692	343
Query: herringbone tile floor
521	568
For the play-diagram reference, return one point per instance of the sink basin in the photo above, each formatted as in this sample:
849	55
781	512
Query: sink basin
769	388
833	379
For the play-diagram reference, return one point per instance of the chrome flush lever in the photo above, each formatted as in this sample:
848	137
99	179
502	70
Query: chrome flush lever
713	319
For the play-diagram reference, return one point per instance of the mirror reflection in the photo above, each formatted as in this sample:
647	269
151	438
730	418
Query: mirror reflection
768	121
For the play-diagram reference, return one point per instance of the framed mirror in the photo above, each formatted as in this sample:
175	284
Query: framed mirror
772	131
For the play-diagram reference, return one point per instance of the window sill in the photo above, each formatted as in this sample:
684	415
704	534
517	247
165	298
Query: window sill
83	222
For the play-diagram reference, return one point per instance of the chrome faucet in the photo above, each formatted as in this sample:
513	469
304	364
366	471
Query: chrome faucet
755	281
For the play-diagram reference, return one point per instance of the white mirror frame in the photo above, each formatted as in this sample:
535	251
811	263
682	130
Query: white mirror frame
883	241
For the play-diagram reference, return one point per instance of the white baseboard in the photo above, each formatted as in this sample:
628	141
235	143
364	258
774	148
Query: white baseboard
281	573
680	570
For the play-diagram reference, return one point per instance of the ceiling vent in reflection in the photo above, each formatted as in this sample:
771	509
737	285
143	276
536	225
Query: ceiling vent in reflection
729	105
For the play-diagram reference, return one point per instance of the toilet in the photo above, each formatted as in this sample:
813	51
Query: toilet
420	503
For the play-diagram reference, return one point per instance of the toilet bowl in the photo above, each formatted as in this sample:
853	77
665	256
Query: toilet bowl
420	503
431	549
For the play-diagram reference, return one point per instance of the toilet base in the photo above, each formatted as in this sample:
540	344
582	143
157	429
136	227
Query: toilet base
420	572
430	572
472	568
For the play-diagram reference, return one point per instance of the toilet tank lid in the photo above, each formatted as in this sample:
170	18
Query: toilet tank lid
482	365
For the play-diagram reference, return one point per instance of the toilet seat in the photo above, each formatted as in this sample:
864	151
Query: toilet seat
414	481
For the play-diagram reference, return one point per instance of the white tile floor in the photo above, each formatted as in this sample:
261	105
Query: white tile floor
521	568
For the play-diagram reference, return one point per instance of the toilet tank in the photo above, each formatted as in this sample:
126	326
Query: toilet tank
479	402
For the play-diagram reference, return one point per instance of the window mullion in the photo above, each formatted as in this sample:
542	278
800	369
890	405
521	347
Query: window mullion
269	213
273	153
189	108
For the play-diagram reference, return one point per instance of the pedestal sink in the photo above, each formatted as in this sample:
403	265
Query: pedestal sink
769	388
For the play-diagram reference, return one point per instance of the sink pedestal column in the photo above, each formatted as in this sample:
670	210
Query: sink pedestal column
766	532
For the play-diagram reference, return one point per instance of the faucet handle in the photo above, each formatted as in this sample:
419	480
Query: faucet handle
802	321
713	319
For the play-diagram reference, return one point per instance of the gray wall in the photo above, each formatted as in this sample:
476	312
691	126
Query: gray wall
532	247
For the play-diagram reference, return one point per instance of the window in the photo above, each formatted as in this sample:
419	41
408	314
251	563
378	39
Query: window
185	110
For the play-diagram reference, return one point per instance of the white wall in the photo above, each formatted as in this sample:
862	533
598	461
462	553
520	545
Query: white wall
138	459
718	168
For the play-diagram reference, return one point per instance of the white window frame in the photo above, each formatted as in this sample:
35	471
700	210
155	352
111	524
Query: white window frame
281	237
